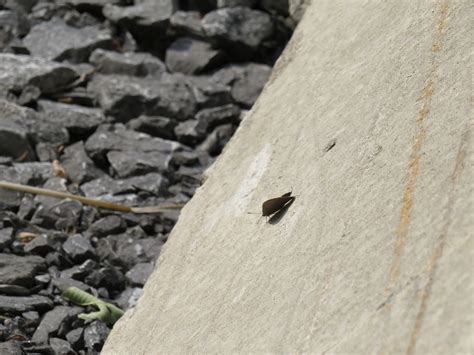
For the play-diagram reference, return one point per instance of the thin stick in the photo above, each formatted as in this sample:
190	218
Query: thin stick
87	200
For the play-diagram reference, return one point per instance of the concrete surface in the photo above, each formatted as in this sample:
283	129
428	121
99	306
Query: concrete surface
376	253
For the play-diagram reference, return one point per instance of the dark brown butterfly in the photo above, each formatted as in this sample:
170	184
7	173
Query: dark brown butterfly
274	205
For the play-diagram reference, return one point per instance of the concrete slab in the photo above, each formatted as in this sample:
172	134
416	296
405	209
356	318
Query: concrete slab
368	118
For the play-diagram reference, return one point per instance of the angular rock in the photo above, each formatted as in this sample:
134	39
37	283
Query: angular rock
125	97
192	56
153	183
107	226
131	163
147	21
187	23
127	252
17	305
53	183
14	290
6	237
55	40
39	246
93	5
116	138
62	215
108	276
75	338
61	346
11	347
190	132
79	272
241	31
20	270
13	24
280	7
14	130
234	3
129	298
76	119
79	167
247	81
216	141
18	71
210	93
155	126
78	248
55	323
21	5
138	275
129	63
210	118
95	335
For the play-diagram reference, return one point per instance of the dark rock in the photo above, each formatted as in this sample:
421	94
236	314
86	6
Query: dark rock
53	183
189	175
18	71
108	277
14	328
13	24
43	279
63	215
76	119
147	21
65	282
27	207
276	6
55	40
31	347
77	96
14	131
190	132
6	237
17	305
61	347
241	31
192	56
78	248
127	252
39	246
131	163
129	298
155	126
75	338
20	270
79	167
210	93
21	5
107	226
153	183
95	335
216	116
138	275
29	95
247	81
187	23
49	133
216	141
79	272
31	316
93	5
137	64
11	347
235	3
117	138
55	323
125	97
14	290
188	158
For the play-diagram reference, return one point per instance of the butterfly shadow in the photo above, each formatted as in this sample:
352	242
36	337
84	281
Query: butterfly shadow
274	219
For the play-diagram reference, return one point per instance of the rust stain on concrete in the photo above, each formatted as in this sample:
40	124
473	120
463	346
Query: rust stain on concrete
438	251
426	97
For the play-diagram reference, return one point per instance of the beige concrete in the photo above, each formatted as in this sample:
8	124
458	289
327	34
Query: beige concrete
376	254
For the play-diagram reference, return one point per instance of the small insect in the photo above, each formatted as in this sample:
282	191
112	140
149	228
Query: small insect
272	207
276	204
